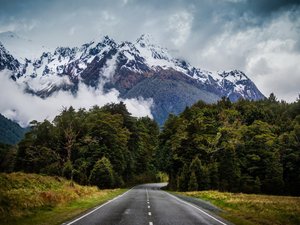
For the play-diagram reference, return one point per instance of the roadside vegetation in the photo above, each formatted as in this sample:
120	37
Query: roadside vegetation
37	199
253	209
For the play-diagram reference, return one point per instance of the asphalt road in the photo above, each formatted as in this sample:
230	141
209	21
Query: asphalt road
147	205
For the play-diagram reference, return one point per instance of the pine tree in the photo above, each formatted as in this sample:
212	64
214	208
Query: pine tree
183	179
204	183
257	186
214	176
193	184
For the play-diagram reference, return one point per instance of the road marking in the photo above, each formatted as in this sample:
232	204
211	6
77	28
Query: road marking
148	206
148	202
149	213
150	223
97	208
178	199
147	194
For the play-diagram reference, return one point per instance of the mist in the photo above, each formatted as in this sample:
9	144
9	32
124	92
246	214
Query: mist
22	107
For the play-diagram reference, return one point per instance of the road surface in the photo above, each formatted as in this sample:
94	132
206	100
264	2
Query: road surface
147	205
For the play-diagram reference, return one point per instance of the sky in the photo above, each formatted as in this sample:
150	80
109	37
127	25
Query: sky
259	37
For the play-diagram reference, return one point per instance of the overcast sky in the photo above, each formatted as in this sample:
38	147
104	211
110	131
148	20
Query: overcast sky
259	37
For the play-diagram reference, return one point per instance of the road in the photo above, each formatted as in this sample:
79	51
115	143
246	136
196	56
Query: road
147	205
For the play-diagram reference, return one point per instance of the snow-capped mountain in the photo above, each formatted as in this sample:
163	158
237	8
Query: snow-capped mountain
139	69
21	47
7	61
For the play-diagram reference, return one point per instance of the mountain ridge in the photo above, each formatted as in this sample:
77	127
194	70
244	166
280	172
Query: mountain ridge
129	67
10	132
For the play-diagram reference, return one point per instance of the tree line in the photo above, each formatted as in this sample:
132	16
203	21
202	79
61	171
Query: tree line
103	146
247	146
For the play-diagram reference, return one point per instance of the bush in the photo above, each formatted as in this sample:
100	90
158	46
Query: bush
102	174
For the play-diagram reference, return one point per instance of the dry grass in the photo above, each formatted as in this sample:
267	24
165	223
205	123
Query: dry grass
254	209
27	197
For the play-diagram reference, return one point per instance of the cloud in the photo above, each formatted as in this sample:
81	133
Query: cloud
210	34
72	31
18	25
268	54
23	107
179	26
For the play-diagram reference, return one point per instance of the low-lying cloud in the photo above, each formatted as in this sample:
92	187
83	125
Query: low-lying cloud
23	107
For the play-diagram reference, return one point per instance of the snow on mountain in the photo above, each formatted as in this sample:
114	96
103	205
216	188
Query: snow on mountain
139	57
131	68
7	61
52	71
21	47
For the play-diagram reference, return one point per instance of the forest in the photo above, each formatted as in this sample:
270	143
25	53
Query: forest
103	146
247	146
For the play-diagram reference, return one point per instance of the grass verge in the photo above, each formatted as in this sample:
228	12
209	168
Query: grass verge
27	199
252	209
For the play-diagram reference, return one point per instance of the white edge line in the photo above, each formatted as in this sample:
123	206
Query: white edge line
197	209
109	201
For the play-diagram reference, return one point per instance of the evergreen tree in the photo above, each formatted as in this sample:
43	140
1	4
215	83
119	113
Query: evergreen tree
74	142
229	171
193	184
196	167
214	176
273	181
244	146
183	179
204	182
102	174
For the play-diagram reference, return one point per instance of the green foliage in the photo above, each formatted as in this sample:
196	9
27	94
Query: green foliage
10	132
68	170
183	179
7	157
75	141
193	184
246	146
102	174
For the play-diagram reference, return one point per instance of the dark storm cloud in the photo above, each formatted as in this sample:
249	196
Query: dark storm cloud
250	35
266	7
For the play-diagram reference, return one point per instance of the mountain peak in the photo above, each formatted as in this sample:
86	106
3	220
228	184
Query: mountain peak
233	75
138	69
21	47
145	39
108	41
